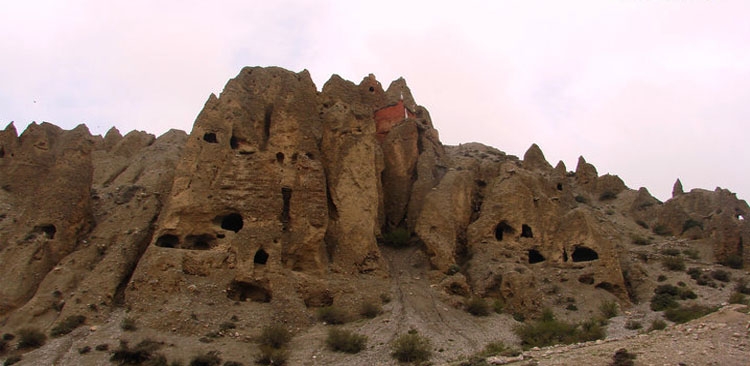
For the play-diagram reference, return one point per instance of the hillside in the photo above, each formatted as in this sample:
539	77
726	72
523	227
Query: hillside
284	202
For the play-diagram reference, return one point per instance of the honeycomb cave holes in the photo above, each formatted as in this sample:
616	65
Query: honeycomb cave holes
243	291
503	229
280	157
210	137
234	143
168	241
46	230
559	186
526	231
261	257
535	256
583	254
199	242
232	222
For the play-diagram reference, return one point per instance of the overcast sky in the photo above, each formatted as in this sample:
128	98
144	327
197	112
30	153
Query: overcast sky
648	90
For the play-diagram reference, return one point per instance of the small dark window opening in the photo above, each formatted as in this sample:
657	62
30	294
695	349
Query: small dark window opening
583	254
480	183
232	222
2	152
310	155
559	186
526	231
48	230
243	291
210	137
501	229
286	195
168	241
372	89
535	256
267	125
565	255
234	143
199	242
280	157
261	257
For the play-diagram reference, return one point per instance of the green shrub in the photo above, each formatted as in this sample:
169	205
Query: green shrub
370	309
478	307
142	352
662	230
642	224
639	240
737	298
721	275
547	332
694	273
672	252
102	347
274	336
673	263
684	314
385	298
661	302
498	306
571	307
12	360
8	336
661	278
741	287
68	325
581	199
499	349
453	269
657	324
340	340
411	347
271	356
692	254
30	338
225	326
633	324
128	324
608	309
332	315
690	223
733	261
397	238
623	358
84	350
210	358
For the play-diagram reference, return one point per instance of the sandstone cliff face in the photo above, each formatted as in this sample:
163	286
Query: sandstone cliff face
279	199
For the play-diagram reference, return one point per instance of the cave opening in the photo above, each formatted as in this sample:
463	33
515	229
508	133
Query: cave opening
584	254
526	231
280	157
501	229
199	242
234	143
535	256
267	125
243	291
565	255
559	186
261	257
168	241
210	137
232	222
48	230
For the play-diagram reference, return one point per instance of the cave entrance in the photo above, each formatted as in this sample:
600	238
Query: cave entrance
232	222
168	241
210	137
243	291
526	231
48	230
535	256
199	242
559	186
261	257
584	254
502	229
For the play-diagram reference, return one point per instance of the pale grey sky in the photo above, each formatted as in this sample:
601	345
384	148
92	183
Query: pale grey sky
648	90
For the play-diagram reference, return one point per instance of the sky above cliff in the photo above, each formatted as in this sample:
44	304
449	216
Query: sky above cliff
648	90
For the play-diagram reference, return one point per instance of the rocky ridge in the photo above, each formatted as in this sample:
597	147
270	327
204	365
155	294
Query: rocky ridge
283	199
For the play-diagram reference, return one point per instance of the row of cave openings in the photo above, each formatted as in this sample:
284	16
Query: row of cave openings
580	253
234	143
232	222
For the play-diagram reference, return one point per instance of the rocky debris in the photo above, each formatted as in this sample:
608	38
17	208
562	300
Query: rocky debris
677	188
